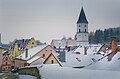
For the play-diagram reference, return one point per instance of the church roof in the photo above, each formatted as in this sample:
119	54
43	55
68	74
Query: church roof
82	17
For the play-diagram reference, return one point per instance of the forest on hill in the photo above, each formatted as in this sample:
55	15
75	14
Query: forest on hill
104	36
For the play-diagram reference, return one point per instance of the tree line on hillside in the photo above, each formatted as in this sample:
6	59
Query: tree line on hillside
104	36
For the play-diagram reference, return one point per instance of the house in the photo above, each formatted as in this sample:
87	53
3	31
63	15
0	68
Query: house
19	46
6	62
63	44
37	54
52	59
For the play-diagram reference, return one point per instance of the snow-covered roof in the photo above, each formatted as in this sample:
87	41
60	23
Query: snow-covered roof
91	49
104	64
76	60
64	42
32	52
33	59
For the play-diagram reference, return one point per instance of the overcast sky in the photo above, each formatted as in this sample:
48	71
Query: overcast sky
52	19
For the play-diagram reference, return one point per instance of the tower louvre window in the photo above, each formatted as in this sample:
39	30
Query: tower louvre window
85	30
79	30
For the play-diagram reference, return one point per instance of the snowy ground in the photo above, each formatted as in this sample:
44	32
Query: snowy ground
56	72
26	77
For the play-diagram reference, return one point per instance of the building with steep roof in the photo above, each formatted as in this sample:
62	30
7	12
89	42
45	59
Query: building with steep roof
19	46
6	62
82	34
63	44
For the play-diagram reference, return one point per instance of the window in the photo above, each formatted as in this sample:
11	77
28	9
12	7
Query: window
51	50
85	30
32	42
6	63
43	55
52	61
45	50
79	25
85	26
79	30
66	46
6	58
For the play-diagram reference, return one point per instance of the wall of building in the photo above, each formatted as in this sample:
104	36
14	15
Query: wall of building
46	52
1	50
6	63
20	63
51	60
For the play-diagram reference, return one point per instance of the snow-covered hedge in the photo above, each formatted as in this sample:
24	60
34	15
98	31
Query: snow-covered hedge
30	71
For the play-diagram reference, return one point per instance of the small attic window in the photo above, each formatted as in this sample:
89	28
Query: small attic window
52	62
46	50
32	42
6	58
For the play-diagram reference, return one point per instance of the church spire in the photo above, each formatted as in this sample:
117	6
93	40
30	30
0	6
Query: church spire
82	17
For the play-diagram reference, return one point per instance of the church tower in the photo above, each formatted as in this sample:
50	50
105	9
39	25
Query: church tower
82	29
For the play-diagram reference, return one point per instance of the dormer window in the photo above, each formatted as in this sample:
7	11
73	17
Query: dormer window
32	42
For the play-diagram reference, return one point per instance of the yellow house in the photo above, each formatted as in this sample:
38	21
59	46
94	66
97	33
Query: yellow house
52	59
19	46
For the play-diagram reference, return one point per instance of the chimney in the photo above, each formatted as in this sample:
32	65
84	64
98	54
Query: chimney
114	44
26	53
62	56
85	50
113	48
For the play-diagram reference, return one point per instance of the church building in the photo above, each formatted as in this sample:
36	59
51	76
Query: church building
82	34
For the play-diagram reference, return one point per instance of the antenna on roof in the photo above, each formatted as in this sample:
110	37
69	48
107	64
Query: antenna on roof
82	4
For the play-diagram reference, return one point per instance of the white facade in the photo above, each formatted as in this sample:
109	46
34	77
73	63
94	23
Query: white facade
82	34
